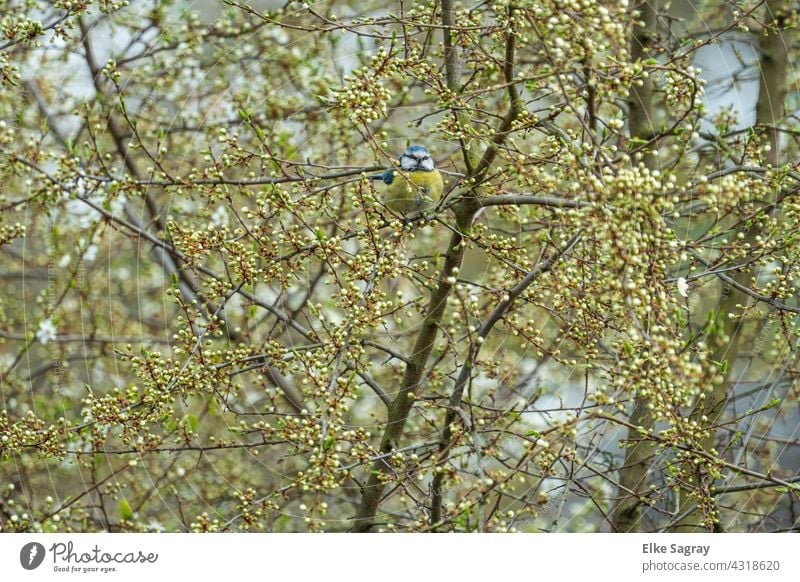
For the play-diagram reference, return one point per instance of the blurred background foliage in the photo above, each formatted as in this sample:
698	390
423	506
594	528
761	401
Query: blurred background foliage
210	322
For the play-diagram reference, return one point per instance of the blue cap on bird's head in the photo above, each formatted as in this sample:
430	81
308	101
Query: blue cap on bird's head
416	150
416	159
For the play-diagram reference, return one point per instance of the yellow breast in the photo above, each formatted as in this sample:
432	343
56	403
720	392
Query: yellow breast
413	191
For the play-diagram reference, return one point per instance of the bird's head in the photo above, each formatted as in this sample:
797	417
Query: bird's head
416	159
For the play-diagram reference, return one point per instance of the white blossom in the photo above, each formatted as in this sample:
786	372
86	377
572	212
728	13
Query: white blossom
46	331
683	287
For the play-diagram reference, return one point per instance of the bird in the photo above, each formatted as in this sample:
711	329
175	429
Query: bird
414	185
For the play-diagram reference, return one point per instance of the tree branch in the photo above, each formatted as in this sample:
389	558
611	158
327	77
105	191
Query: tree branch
466	369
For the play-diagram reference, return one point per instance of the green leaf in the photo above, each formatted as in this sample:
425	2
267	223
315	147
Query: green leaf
626	345
190	422
125	510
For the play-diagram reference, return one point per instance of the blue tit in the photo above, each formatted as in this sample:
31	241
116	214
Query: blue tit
415	185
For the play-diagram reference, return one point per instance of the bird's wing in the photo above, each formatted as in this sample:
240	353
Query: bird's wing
386	177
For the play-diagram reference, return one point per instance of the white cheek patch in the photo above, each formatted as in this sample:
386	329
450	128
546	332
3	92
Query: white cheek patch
407	163
427	165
